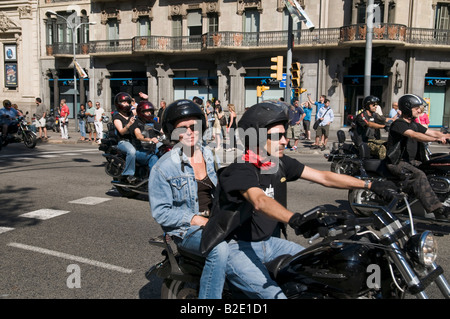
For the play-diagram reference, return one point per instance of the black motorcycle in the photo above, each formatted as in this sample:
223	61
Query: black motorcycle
344	157
115	163
436	167
52	121
375	257
18	132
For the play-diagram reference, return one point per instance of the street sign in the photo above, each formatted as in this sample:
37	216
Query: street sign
282	83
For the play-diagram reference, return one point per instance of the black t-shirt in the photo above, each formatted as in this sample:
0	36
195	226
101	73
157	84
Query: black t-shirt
150	129
239	177
366	132
127	135
409	146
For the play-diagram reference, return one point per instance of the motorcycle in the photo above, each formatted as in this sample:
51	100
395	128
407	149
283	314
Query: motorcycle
344	157
52	122
20	132
115	163
437	169
374	257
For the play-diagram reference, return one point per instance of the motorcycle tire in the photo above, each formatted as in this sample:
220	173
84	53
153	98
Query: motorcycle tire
342	167
125	192
113	170
362	196
29	139
175	289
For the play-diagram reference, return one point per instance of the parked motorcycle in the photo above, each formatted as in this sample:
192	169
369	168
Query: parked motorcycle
374	257
116	162
52	121
20	132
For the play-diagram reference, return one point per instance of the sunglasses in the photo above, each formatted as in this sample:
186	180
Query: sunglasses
183	129
276	136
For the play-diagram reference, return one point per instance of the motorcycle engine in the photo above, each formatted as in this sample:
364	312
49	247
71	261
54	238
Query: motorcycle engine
439	184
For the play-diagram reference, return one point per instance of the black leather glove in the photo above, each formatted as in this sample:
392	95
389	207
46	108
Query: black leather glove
385	189
306	226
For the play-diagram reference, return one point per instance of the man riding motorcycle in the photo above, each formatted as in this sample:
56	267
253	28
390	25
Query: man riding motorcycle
404	154
259	178
123	120
368	125
8	116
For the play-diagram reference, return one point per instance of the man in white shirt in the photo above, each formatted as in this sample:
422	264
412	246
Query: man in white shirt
98	123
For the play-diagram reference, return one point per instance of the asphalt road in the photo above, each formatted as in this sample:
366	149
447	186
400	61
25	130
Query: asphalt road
65	234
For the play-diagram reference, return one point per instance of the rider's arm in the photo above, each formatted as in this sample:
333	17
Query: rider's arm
123	129
266	205
428	136
137	132
330	179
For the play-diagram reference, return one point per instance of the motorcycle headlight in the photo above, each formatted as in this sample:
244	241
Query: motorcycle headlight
422	248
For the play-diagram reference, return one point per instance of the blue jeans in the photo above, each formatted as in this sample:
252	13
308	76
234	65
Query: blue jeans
246	270
130	161
145	158
82	125
213	275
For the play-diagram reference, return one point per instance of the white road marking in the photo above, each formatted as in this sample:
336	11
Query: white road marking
44	214
53	152
90	200
5	229
47	156
71	257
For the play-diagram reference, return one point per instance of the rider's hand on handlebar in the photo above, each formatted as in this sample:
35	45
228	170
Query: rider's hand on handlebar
385	189
306	226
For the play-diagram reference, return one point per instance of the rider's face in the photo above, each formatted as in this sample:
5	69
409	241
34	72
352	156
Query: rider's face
415	111
276	141
188	131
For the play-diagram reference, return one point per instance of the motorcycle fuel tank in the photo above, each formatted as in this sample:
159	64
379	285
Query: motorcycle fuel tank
439	164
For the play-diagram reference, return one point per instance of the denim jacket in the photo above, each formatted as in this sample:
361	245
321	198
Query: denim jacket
173	192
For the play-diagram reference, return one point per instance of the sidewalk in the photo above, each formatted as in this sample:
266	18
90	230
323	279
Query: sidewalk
74	137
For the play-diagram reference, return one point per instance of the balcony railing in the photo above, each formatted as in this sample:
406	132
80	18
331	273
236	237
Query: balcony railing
254	40
163	43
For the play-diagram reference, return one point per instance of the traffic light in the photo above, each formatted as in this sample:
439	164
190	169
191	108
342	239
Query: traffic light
261	89
278	67
295	74
298	91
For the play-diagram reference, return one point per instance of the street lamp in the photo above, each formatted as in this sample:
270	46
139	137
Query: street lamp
73	27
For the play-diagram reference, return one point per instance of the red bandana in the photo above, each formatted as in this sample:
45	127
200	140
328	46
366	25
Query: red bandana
255	159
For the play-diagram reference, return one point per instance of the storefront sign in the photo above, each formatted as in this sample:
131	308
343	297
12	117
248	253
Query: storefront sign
436	81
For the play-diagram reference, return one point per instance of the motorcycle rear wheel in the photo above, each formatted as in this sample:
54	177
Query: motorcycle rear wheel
342	167
175	289
29	139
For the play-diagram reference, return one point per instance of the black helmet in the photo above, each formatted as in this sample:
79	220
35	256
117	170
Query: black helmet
409	101
7	103
368	100
119	99
263	115
178	110
144	106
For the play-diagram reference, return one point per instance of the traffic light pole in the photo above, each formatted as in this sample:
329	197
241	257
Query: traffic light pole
287	91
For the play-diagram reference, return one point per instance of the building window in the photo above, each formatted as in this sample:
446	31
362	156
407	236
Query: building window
378	12
251	20
442	16
177	26
143	25
49	34
113	29
213	22
194	23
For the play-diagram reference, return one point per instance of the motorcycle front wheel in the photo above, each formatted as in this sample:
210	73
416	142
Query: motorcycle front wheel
362	196
175	289
342	166
29	139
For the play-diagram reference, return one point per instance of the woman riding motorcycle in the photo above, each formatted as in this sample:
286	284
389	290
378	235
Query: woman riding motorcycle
181	184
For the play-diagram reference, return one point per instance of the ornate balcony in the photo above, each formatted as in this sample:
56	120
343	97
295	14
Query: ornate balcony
397	34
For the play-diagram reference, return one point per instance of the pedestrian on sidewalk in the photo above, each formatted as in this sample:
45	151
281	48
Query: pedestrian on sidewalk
99	113
82	122
296	115
64	119
40	123
90	119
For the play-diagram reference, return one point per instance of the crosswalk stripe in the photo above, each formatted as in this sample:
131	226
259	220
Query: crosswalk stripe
44	214
90	200
5	229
